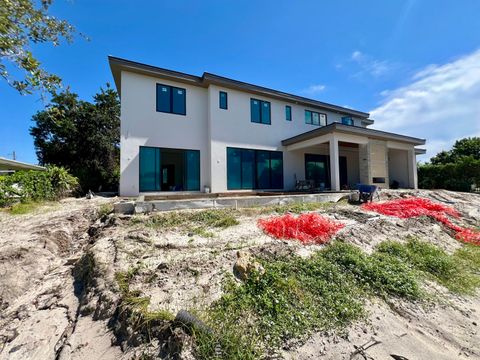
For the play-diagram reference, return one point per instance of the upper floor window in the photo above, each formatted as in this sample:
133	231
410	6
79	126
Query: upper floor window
315	118
260	111
288	113
171	99
223	100
347	120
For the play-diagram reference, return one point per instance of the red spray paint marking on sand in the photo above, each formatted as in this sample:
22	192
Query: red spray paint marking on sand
414	207
308	228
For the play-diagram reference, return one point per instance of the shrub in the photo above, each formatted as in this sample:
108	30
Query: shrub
33	185
458	176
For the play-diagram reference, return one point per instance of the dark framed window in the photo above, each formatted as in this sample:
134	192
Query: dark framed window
167	169
288	113
223	100
254	169
260	111
347	120
171	99
315	118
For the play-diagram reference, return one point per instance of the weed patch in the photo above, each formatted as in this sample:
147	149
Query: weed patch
198	222
104	210
295	208
136	306
456	272
296	296
23	208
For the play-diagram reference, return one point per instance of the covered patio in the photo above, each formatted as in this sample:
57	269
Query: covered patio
361	155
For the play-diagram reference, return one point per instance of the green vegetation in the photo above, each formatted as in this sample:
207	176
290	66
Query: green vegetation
136	306
34	186
24	23
457	169
82	136
29	207
192	222
326	291
295	208
104	210
457	272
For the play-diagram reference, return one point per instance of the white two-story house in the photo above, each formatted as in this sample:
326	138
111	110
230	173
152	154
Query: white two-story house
182	132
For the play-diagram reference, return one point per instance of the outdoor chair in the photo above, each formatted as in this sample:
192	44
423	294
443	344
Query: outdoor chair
305	185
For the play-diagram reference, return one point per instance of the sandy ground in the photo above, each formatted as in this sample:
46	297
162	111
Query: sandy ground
46	315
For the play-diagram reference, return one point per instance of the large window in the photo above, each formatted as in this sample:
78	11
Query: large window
347	120
260	111
171	99
223	100
315	118
164	169
254	169
288	113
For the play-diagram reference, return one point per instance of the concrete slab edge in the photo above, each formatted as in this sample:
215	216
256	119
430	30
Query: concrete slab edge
140	206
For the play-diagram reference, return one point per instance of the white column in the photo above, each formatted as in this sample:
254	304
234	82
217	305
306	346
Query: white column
334	164
412	171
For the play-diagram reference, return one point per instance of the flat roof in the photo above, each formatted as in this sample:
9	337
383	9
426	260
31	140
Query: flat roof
7	164
354	130
118	64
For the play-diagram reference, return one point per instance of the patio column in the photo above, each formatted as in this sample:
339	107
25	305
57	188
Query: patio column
412	171
334	164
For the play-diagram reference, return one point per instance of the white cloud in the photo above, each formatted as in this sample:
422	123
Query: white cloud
357	55
314	89
369	65
441	104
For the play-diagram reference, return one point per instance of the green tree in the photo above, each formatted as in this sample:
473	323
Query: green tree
22	24
468	147
457	169
81	136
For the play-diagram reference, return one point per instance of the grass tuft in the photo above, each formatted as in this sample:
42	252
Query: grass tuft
136	305
23	208
104	210
456	272
198	222
295	208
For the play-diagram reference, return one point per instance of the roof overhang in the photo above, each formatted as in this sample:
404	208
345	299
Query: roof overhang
352	130
117	65
7	164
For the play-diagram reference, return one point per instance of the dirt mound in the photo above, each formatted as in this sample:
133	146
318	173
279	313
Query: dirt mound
77	287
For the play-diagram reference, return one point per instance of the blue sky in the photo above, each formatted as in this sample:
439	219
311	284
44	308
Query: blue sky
413	64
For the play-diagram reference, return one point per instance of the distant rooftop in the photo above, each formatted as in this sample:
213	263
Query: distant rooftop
14	165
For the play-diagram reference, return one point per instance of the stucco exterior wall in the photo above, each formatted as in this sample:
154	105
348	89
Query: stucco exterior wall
211	130
233	128
142	125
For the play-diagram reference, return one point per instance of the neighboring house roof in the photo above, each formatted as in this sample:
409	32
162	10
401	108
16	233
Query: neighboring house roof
354	130
119	64
7	164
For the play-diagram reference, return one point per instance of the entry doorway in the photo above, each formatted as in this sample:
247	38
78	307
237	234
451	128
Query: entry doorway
317	169
165	169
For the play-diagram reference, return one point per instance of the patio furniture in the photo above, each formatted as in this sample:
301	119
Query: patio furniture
305	185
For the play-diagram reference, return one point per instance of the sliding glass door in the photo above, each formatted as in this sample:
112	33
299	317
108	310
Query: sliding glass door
192	170
164	169
149	169
317	169
254	169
